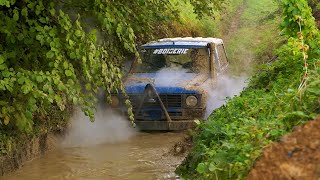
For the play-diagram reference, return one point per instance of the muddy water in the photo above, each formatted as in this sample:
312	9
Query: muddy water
143	156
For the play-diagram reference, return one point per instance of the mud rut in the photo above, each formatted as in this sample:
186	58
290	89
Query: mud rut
143	156
235	23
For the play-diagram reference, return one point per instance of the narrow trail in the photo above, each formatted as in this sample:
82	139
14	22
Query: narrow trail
235	23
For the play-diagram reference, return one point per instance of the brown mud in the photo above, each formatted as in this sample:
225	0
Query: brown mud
143	156
317	17
296	156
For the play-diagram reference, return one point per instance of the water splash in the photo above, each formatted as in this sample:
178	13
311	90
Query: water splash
108	127
226	86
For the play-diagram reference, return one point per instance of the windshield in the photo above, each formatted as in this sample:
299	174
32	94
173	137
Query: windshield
193	60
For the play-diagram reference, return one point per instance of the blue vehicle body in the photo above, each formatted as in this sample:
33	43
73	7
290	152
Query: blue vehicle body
135	87
172	106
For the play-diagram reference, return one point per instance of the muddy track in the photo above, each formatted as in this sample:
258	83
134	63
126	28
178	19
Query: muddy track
235	22
143	156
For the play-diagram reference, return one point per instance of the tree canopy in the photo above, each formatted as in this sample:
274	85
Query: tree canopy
61	53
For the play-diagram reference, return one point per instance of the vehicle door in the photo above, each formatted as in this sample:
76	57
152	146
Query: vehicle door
222	60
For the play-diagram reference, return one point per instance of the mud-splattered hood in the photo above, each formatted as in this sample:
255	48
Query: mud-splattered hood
166	83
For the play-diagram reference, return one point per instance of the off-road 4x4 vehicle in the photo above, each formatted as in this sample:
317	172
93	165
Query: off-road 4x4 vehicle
168	90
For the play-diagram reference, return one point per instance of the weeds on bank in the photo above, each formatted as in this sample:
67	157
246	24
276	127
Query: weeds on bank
189	23
254	40
271	106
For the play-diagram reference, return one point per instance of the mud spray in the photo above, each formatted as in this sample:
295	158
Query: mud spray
108	127
171	77
227	86
218	92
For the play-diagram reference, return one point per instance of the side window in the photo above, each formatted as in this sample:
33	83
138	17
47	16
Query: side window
222	56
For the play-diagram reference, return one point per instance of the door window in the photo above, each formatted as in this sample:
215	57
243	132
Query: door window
222	56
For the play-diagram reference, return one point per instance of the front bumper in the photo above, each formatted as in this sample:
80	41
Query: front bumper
164	125
160	123
153	111
176	114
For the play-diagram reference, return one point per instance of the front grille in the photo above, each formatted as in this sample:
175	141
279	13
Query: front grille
169	101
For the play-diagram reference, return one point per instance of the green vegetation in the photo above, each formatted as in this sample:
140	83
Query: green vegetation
315	5
279	97
58	54
254	40
190	25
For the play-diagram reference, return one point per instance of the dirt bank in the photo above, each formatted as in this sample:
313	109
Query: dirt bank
31	149
296	156
317	17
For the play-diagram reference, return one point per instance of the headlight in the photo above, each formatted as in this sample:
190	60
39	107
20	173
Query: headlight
114	101
191	101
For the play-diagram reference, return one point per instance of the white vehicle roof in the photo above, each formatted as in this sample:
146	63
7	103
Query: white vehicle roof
183	42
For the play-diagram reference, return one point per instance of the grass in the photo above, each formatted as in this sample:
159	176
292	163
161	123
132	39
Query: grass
257	36
227	145
191	25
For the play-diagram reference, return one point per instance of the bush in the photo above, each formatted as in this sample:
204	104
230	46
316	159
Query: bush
279	97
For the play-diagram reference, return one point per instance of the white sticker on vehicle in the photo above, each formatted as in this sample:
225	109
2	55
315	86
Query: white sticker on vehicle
170	51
